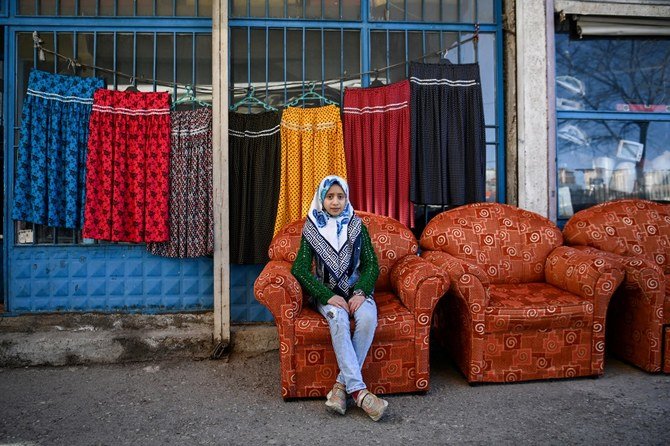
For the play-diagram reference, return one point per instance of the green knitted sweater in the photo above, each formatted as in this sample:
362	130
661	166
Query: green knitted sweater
369	270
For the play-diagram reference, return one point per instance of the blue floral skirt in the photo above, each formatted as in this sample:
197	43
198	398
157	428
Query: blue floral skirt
49	187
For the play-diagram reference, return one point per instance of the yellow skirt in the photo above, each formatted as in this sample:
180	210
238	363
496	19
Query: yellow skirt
312	147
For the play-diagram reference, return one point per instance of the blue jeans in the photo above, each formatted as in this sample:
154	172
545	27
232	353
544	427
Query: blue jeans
351	350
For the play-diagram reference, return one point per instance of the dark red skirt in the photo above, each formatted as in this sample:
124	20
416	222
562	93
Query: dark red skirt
377	147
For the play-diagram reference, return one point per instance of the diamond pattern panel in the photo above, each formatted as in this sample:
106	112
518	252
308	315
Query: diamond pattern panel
243	304
106	278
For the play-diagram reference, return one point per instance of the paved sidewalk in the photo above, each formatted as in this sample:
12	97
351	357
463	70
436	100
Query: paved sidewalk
238	402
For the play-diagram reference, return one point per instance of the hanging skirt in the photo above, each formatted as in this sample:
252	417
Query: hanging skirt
377	146
51	163
447	131
311	148
191	219
254	154
127	168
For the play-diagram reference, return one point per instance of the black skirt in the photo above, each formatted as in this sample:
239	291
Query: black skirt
447	134
254	151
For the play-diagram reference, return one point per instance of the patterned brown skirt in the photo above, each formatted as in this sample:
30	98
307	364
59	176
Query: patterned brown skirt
191	220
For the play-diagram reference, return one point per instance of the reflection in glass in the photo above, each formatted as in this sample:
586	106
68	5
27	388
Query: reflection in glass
238	56
66	48
185	8
205	8
203	66
607	74
602	160
164	60
313	54
125	7
487	71
26	7
441	11
125	52
238	8
491	173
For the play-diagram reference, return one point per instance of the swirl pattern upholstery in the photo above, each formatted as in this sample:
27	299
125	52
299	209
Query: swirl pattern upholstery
636	234
406	292
521	306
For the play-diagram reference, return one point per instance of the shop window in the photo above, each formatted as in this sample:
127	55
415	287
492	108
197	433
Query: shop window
279	69
297	9
157	60
444	11
613	110
279	60
116	8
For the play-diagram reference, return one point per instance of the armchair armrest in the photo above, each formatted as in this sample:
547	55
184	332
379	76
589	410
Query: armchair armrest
585	274
468	281
279	291
418	283
642	275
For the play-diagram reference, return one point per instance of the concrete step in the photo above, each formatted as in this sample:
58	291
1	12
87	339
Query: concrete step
90	338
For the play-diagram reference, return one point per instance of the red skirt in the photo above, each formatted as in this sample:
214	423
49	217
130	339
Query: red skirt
377	147
127	167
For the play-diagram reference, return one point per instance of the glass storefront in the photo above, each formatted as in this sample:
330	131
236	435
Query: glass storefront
613	126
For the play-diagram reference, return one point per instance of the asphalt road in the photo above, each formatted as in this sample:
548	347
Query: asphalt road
238	402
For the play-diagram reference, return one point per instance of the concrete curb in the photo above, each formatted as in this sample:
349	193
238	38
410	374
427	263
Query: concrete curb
68	339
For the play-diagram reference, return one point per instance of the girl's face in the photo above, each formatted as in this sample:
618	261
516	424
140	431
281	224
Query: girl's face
335	200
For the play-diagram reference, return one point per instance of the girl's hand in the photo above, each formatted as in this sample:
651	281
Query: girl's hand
338	301
355	302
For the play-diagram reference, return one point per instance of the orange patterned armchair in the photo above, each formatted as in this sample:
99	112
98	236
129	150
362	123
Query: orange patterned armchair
406	291
521	306
636	233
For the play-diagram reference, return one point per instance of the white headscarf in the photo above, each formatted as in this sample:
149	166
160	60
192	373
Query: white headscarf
336	241
333	229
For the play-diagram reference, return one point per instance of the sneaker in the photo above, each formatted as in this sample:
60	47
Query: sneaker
337	399
371	404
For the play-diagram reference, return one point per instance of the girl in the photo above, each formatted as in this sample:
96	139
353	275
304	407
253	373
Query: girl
342	287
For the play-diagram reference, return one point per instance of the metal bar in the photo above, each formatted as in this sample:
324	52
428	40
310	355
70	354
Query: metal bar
323	61
267	61
612	116
155	68
95	53
114	74
193	62
285	37
364	42
248	53
174	63
501	158
407	54
132	81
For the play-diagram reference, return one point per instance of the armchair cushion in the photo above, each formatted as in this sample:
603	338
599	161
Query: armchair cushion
535	305
635	228
507	243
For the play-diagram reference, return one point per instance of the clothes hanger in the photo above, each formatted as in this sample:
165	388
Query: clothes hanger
190	98
310	94
250	100
132	87
443	59
377	82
